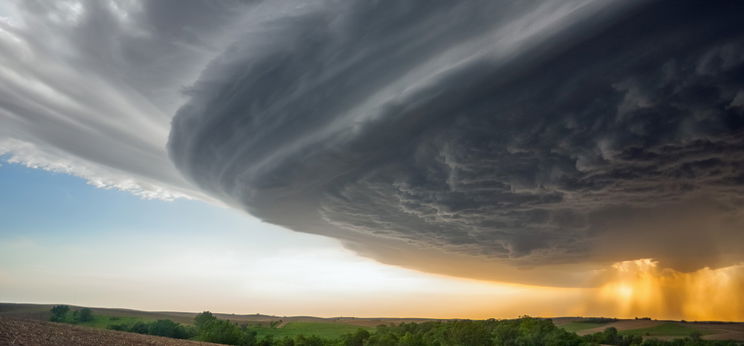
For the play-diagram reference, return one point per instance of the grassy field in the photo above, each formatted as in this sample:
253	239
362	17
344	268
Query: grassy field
103	321
324	330
666	329
579	325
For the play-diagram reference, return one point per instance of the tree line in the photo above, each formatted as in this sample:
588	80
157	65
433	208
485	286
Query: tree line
63	313
524	331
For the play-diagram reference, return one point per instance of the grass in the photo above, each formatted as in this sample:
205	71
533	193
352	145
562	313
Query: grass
666	329
321	329
103	321
291	329
579	325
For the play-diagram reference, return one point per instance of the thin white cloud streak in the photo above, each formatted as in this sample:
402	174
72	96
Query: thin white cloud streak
88	88
53	160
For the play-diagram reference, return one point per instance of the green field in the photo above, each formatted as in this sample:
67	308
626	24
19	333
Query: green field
666	329
321	329
103	321
577	326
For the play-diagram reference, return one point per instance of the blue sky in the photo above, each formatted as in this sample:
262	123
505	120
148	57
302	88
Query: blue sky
50	205
65	241
47	203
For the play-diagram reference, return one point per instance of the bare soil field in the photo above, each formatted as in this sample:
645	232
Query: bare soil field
14	331
722	331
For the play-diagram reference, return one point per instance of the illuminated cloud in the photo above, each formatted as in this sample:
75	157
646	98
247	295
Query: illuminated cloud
640	288
484	138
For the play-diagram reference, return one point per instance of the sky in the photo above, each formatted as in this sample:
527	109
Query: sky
97	247
429	159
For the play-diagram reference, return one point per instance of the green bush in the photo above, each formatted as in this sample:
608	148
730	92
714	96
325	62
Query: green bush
211	329
59	313
165	328
84	315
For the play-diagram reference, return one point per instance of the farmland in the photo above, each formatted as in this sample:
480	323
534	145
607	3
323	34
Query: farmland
21	319
14	331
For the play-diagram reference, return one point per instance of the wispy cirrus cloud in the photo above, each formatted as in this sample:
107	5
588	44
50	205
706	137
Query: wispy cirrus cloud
89	87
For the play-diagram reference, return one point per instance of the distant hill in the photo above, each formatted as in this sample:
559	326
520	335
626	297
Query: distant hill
41	312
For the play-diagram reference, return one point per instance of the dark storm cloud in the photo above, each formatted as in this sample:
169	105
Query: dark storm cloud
519	133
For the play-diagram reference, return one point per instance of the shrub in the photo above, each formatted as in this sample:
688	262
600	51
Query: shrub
211	329
59	313
84	315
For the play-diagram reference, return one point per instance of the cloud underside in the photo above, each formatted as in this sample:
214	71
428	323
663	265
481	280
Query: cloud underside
486	139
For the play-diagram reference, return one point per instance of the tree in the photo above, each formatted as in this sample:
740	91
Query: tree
167	328
84	315
311	340
59	313
211	329
203	319
139	327
355	339
610	335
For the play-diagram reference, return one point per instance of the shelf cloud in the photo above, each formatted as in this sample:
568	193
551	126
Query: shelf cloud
500	135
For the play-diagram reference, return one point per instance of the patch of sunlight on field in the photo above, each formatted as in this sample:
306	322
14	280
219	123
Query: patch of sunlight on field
577	326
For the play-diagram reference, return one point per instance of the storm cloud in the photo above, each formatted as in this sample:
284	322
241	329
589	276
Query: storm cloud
509	136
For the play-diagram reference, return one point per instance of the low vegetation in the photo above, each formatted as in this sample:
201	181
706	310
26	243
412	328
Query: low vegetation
85	317
666	329
165	328
63	313
321	329
525	331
